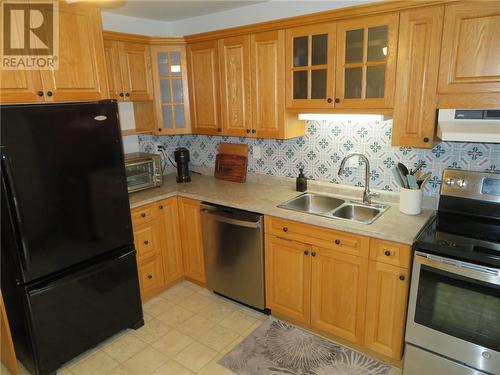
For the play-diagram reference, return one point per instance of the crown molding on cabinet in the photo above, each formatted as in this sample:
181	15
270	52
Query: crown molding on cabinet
136	38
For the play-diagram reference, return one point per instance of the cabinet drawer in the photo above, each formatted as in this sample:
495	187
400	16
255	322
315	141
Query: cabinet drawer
146	239
150	277
327	238
390	253
143	214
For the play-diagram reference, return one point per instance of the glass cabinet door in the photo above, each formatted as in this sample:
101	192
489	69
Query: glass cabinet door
366	62
172	102
309	59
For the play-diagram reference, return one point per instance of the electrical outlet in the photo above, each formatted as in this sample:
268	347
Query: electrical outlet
256	152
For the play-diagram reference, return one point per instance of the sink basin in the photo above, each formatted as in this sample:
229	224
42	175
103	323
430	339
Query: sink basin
313	203
360	213
335	208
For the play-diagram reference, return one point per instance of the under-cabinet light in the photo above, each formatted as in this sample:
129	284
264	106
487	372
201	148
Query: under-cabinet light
338	117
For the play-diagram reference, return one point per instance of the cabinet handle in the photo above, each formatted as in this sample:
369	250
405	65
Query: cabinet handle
143	215
127	94
426	139
49	93
161	207
329	100
337	242
248	131
306	252
146	242
121	94
337	100
387	253
254	131
313	254
402	277
40	93
150	277
219	129
285	229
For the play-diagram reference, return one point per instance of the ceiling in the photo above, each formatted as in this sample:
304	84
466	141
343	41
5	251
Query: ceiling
168	10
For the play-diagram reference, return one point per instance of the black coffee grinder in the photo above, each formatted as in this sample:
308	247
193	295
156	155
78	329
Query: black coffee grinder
181	155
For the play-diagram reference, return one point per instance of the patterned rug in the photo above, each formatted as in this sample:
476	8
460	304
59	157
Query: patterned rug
277	348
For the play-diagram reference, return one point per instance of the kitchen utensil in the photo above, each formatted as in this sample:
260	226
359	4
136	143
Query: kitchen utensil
397	176
412	182
418	167
421	179
403	169
402	177
425	181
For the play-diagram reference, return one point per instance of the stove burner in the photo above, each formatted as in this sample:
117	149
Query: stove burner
446	243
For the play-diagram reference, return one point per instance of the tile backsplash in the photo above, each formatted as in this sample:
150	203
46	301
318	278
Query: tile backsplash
321	150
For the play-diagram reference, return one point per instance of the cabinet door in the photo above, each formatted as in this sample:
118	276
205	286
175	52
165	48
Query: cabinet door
151	279
236	106
191	239
288	278
171	89
203	69
310	54
170	234
20	86
338	293
469	73
386	309
112	58
268	76
415	103
136	71
366	62
81	74
147	239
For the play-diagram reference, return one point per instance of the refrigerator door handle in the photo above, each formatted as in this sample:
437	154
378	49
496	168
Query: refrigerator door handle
13	207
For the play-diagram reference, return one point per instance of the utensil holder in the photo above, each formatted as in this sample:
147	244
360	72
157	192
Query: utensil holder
410	201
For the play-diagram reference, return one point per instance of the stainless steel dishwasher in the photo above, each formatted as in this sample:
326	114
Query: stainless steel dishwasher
234	253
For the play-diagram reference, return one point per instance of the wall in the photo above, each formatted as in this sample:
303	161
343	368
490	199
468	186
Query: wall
327	142
134	25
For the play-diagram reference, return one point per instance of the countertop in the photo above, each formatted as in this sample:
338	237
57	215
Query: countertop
264	197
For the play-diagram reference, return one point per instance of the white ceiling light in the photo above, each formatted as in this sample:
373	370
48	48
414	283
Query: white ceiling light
339	117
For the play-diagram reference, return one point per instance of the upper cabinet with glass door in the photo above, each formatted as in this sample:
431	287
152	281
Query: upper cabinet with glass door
366	62
171	89
310	54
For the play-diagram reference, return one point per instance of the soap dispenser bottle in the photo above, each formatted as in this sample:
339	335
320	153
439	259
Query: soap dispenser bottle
301	184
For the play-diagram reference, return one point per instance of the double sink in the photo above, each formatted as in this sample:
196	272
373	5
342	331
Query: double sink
337	208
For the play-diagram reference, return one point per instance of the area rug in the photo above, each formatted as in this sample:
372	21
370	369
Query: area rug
277	348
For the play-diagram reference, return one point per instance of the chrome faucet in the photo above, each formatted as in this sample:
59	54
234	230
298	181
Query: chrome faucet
367	195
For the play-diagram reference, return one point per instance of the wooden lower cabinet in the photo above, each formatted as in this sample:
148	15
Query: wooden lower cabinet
386	308
151	280
338	293
191	239
173	269
288	277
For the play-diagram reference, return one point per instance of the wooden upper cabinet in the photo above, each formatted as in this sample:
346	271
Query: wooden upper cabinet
415	103
386	308
338	293
171	89
20	86
310	55
267	62
81	74
204	93
288	278
366	62
192	239
469	72
135	64
236	106
112	57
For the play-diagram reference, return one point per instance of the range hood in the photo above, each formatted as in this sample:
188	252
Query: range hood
463	125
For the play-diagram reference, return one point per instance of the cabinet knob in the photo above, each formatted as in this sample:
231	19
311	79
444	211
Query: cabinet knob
254	131
219	129
143	215
306	252
146	242
402	277
387	253
337	100
121	94
248	131
161	207
329	100
426	139
40	93
285	229
49	93
159	129
150	277
127	94
313	254
337	242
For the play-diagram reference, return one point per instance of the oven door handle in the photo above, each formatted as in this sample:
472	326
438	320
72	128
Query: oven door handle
476	272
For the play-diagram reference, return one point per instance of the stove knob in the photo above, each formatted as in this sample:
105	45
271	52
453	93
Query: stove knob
461	183
449	181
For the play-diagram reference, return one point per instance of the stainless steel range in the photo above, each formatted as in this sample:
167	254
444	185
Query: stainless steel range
453	324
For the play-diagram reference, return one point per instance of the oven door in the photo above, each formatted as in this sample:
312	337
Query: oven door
140	175
454	311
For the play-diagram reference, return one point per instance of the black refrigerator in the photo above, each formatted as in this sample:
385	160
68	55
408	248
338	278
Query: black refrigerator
68	272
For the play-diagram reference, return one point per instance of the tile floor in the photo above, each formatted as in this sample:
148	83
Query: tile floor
188	329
